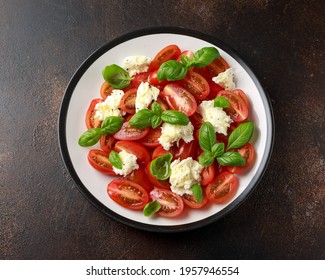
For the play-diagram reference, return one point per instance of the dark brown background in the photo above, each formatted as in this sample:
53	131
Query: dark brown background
43	215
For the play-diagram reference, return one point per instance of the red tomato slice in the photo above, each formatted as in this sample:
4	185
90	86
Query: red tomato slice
139	78
128	194
159	151
218	66
172	204
196	120
140	177
167	53
223	188
179	99
196	85
91	122
99	160
242	95
127	102
185	150
248	153
164	106
208	174
105	90
143	156
107	142
153	79
151	139
191	202
128	132
214	90
163	184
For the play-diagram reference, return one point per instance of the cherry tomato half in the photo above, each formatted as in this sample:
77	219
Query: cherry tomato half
167	53
139	78
127	102
128	132
98	159
151	139
140	177
248	153
107	142
196	85
163	184
190	201
208	174
143	156
91	122
153	79
105	90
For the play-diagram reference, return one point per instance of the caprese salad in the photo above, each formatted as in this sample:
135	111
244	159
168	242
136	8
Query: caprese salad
173	130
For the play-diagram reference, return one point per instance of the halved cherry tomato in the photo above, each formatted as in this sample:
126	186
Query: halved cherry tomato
105	90
164	106
179	99
99	160
196	85
196	120
217	66
214	90
128	132
128	194
185	150
242	95
191	201
143	156
172	204
159	151
107	142
151	139
185	53
140	177
208	174
91	122
167	53
139	78
248	153
127	102
153	79
223	188
163	184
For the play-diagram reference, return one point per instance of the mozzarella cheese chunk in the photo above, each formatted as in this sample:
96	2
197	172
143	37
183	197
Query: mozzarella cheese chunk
136	64
184	174
171	133
129	163
146	93
110	107
215	115
226	79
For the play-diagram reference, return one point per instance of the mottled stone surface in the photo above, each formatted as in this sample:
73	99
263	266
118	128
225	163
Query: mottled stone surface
43	215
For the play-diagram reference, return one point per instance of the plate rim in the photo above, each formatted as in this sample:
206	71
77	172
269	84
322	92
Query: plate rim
135	224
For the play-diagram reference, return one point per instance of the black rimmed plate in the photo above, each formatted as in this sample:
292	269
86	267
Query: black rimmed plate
85	85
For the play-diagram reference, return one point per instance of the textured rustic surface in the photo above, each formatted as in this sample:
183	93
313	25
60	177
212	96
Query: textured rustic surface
42	214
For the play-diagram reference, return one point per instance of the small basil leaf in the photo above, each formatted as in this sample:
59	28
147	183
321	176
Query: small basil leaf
218	149
221	102
156	108
115	160
206	158
186	60
207	136
231	159
151	208
90	137
156	121
171	70
111	125
197	192
116	76
142	119
241	135
204	57
175	117
160	166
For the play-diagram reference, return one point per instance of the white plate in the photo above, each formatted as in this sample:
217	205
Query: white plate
85	85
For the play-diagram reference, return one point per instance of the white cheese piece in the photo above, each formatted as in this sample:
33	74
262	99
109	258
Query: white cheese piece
146	93
215	115
226	79
184	174
110	107
129	163
136	64
171	133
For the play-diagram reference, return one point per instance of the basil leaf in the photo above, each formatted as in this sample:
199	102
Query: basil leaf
151	208
175	117
90	137
204	57
171	70
207	136
218	149
186	60
231	159
241	135
206	158
111	125
115	160
116	76
197	192
160	166
221	102
156	108
156	121
142	119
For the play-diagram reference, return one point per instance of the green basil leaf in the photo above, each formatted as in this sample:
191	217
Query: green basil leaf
241	135
151	208
218	149
115	159
231	159
197	192
207	136
171	70
185	60
116	76
156	121
204	57
221	102
90	137
160	166
175	117
142	119
156	108
206	158
111	125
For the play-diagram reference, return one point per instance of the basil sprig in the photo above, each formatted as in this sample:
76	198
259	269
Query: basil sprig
116	76
110	125
160	166
115	159
151	208
154	117
173	70
216	151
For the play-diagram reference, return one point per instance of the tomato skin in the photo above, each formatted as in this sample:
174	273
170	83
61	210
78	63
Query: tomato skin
248	153
243	96
91	122
128	132
170	52
195	84
223	188
214	90
127	102
185	150
153	79
107	142
208	174
139	78
128	194
105	90
172	204
162	184
179	99
159	151
98	159
140	177
143	156
191	202
196	120
151	139
164	106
